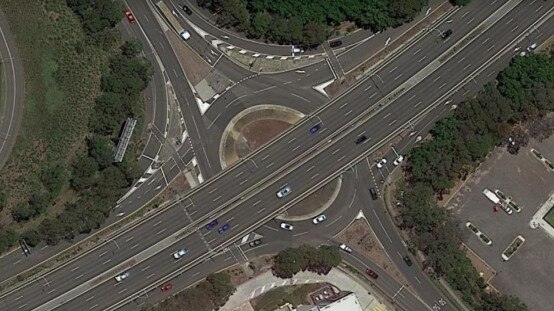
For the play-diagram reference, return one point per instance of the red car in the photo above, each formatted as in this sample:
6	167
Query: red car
372	274
167	287
130	16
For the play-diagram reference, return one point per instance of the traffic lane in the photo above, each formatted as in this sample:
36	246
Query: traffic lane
334	161
150	270
185	96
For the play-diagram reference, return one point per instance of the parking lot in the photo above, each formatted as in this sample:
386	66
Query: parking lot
529	272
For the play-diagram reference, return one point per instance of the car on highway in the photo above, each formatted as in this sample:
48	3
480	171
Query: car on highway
255	242
446	34
381	163
373	193
187	9
314	129
130	16
297	49
283	191
361	139
372	273
167	287
212	224
319	219
224	228
407	260
180	253
184	34
345	248
122	276
398	160
286	226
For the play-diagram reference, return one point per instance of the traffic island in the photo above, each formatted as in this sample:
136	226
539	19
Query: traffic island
361	237
256	126
512	248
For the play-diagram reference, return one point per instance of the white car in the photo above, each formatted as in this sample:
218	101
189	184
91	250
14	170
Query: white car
180	253
283	192
398	160
184	34
286	226
319	219
122	276
345	248
381	163
532	47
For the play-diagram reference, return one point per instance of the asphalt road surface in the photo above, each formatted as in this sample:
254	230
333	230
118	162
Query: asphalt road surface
324	160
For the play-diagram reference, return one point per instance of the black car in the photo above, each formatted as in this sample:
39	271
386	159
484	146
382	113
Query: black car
361	139
255	243
187	9
446	34
335	43
373	193
407	260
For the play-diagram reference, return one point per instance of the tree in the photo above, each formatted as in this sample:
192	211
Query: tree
314	33
84	172
53	178
97	15
405	10
100	148
4	195
31	237
220	288
131	48
493	302
460	2
260	25
234	14
7	239
21	212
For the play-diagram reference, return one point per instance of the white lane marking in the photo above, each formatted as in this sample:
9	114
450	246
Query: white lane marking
129	239
388	114
104	253
134	246
314	176
349	112
79	276
271	228
310	168
243	182
435	80
299	234
291	140
256	203
93	307
122	291
145	268
16	299
219	197
160	232
367	88
74	269
339	159
334	221
265	157
392	122
383	227
415	53
397	77
334	152
151	275
90	298
295	148
393	69
234	100
419	103
267	88
212	191
260	210
159	222
270	164
239	174
373	95
105	262
421	59
342	106
22	306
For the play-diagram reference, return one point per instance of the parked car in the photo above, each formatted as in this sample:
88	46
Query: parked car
255	242
398	160
167	287
381	163
180	253
187	10
361	139
224	228
319	219
371	273
407	260
286	226
345	248
212	224
283	192
130	16
532	47
122	276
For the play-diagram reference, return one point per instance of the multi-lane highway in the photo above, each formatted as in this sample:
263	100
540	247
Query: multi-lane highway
301	160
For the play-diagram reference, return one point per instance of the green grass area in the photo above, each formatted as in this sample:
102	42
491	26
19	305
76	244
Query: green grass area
62	79
2	99
275	298
549	217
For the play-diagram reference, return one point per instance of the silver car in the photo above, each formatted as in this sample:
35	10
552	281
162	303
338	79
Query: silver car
283	192
319	219
286	226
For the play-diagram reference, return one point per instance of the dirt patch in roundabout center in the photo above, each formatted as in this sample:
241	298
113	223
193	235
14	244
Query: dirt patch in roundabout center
256	126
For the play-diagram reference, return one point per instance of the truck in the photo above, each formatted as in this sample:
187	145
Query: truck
491	196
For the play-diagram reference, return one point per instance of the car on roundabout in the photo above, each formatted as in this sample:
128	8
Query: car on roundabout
319	219
287	227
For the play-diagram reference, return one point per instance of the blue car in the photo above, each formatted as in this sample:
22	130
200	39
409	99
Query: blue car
314	129
224	228
212	224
